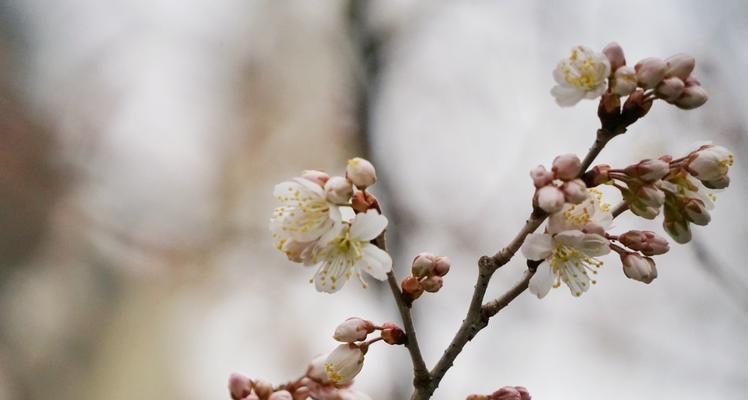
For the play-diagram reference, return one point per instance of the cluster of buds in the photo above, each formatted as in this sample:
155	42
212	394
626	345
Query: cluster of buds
649	79
682	187
356	329
637	262
243	388
505	393
339	190
427	275
560	185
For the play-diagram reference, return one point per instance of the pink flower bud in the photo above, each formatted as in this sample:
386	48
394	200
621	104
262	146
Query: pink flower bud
650	72
432	284
353	329
634	239
566	167
505	393
541	176
650	195
338	190
317	177
648	170
639	268
692	97
239	386
361	173
392	334
696	212
614	53
645	241
574	191
550	199
670	89
302	393
624	81
411	287
680	66
423	265
281	395
441	265
263	389
592	227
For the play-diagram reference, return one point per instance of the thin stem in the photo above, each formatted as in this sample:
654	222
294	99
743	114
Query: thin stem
603	137
421	374
494	306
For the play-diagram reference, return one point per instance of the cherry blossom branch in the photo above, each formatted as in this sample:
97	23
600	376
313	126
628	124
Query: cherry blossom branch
420	371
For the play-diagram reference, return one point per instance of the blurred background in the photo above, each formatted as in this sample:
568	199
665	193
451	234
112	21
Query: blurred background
140	141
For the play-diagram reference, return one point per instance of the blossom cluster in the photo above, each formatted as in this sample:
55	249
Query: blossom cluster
505	393
560	185
589	74
313	226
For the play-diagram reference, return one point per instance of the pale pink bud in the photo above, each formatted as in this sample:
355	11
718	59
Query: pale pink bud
411	287
592	227
352	330
263	389
541	176
692	81
574	191
392	334
432	283
633	239
680	66
624	81
692	97
696	212
649	170
550	199
711	163
441	265
360	172
639	268
338	190
670	89
315	176
614	53
505	393
651	195
344	363
650	72
423	265
645	241
239	386
566	167
281	395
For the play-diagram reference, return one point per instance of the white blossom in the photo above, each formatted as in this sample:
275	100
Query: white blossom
711	162
346	250
582	75
344	363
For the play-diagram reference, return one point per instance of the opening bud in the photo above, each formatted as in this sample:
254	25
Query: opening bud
566	167
541	176
338	190
432	284
574	191
649	170
696	212
614	53
680	66
344	363
392	334
361	173
353	329
711	163
650	72
639	268
315	176
550	199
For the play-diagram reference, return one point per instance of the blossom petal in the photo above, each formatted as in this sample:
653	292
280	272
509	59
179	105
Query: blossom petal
367	226
376	262
542	281
537	246
567	96
332	275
